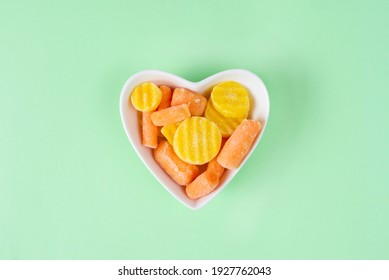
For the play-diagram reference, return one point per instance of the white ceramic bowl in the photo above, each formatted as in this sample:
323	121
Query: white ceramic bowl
259	103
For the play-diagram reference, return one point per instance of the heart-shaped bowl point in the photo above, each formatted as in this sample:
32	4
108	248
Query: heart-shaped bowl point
259	110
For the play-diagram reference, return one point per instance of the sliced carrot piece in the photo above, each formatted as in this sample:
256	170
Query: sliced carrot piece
181	172
170	115
225	125
146	97
231	99
169	130
197	140
166	97
204	184
196	101
215	167
239	144
149	131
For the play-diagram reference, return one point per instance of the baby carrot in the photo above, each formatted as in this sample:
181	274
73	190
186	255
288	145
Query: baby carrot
166	97
170	115
239	144
216	168
149	131
206	182
181	172
196	102
202	185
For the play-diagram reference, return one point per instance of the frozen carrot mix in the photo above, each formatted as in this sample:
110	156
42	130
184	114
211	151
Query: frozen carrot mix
166	97
146	97
189	132
195	101
170	115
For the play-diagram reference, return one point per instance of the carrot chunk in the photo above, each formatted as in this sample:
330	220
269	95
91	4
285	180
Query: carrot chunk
166	97
149	131
206	182
202	185
239	144
196	102
181	172
170	115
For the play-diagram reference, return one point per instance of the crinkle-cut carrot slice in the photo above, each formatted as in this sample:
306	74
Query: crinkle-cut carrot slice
206	182
197	140
146	97
225	125
231	99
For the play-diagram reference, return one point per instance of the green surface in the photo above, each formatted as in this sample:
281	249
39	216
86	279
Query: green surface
72	187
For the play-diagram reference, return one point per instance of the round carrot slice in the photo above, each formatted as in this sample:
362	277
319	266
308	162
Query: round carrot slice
225	125
197	140
146	97
231	99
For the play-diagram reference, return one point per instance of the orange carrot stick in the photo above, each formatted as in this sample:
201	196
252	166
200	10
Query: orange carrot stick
202	185
239	144
206	182
216	168
196	102
166	97
170	115
149	131
181	172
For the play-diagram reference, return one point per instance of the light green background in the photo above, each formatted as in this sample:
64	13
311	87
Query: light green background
72	187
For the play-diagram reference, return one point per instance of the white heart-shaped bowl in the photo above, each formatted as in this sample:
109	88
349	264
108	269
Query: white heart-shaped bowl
259	103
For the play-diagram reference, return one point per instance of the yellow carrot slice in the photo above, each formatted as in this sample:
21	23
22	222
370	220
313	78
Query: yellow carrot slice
197	140
146	97
169	130
204	184
231	99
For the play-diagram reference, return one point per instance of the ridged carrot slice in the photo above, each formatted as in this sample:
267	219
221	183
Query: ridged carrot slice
231	99
225	125
197	140
146	97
